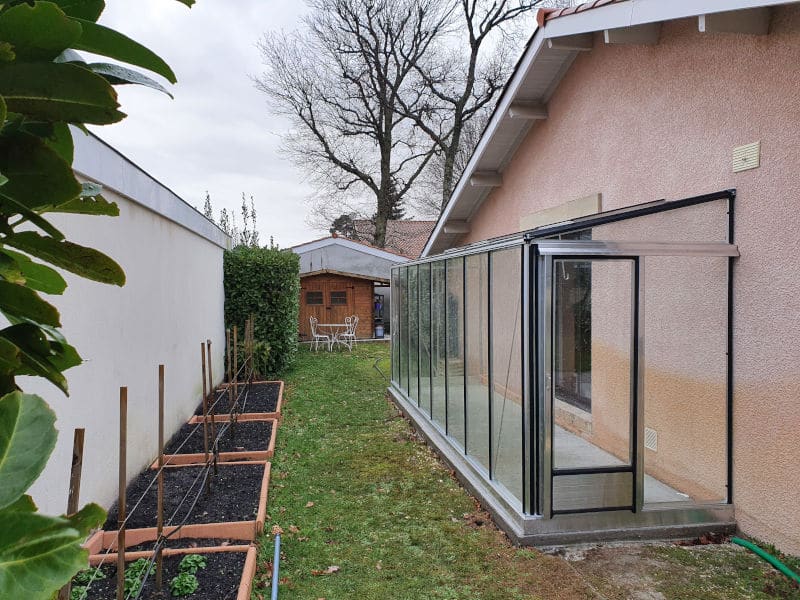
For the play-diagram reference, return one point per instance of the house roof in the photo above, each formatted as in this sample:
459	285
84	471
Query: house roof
560	36
359	246
404	237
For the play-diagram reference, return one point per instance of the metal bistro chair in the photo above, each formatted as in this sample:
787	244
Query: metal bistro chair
348	338
319	337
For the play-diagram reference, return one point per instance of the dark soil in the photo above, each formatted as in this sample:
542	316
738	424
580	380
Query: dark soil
218	581
244	435
261	398
233	497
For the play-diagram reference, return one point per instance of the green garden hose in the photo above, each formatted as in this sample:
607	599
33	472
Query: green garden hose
767	557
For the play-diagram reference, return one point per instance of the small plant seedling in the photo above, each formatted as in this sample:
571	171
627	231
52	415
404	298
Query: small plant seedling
134	573
191	563
78	592
87	575
184	584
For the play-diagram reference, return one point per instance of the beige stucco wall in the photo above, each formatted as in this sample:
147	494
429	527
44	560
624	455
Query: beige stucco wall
641	123
172	301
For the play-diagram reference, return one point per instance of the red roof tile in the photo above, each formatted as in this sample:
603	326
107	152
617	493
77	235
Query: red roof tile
407	238
551	14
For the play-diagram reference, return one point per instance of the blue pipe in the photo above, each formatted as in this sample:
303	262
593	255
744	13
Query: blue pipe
276	566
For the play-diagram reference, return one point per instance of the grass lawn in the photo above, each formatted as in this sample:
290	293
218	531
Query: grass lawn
368	512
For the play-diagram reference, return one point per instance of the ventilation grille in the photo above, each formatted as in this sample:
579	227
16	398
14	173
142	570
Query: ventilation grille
747	157
651	439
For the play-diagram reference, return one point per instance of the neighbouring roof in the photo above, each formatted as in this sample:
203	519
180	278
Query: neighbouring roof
359	246
344	274
404	237
550	14
561	34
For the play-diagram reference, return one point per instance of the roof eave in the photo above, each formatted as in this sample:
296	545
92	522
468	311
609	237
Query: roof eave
610	16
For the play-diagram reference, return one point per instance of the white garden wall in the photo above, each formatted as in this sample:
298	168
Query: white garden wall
173	300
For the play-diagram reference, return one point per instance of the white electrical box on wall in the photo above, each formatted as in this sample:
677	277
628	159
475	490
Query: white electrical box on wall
747	157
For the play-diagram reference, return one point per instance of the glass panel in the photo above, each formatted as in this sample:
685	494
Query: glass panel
413	334
506	312
425	337
706	222
403	330
477	358
394	337
438	358
685	406
592	351
455	349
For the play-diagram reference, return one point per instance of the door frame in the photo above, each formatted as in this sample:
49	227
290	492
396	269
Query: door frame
543	253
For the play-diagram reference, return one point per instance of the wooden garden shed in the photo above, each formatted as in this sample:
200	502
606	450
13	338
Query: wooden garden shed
330	296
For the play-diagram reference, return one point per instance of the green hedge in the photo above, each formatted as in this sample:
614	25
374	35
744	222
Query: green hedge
265	282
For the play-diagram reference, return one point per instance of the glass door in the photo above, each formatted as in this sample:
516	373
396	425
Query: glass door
588	353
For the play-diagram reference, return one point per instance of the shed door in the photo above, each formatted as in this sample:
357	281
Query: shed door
339	299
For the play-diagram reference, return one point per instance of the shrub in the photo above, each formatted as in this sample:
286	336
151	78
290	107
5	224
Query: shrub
265	282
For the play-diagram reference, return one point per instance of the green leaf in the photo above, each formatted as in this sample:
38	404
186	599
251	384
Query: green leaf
3	111
29	215
83	9
61	142
27	437
101	40
7	52
89	205
65	356
39	554
37	175
38	32
37	276
35	353
10	269
9	357
86	262
188	3
21	302
118	75
59	92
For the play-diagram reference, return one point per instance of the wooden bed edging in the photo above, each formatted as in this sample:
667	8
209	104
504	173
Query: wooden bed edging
199	458
251	416
248	570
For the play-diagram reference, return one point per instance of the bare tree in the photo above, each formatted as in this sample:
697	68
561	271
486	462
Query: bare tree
345	81
464	75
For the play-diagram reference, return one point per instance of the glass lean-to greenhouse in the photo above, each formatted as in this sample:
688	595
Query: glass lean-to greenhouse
578	376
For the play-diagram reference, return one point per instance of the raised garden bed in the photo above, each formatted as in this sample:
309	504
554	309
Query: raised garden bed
247	440
228	573
237	498
264	401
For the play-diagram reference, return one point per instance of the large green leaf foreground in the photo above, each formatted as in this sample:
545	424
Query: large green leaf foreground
37	553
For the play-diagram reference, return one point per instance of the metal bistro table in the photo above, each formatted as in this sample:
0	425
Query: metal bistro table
333	330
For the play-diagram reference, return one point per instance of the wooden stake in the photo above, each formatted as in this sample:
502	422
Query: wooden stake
235	364
205	401
73	496
123	469
213	396
160	521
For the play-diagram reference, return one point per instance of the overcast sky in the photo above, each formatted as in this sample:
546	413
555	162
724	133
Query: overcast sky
217	134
